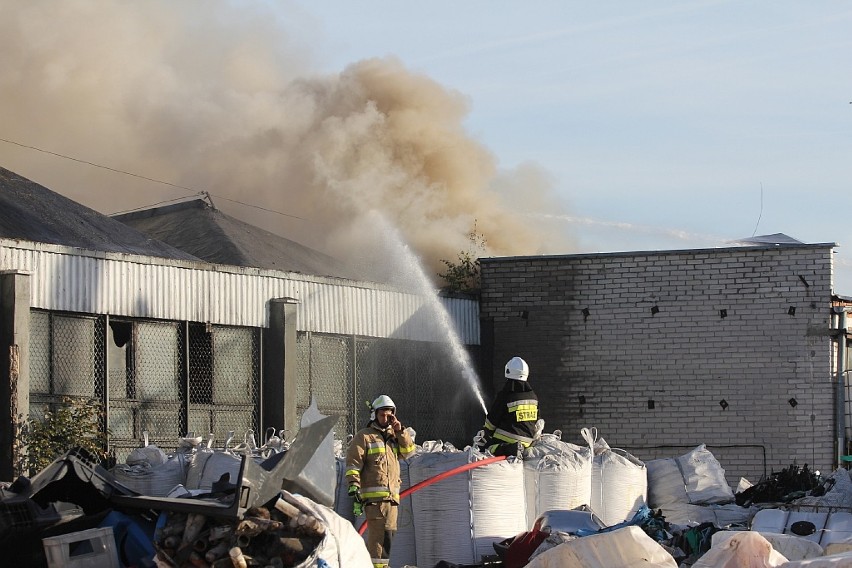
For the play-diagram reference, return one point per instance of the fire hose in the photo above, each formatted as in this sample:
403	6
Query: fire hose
439	477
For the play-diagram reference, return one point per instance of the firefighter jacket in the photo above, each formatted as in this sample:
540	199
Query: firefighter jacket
372	462
512	416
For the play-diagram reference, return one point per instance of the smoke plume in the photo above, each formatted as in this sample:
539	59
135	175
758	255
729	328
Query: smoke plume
223	97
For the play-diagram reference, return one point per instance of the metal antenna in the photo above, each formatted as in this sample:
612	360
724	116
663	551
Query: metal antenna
761	210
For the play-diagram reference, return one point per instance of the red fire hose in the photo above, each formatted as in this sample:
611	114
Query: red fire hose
439	477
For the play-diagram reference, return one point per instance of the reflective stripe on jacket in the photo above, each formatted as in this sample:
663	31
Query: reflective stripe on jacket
372	462
512	415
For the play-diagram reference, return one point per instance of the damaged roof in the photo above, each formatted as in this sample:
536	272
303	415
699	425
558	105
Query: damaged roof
209	234
32	212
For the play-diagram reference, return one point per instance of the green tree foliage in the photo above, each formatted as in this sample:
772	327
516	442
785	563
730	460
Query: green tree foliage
462	275
74	422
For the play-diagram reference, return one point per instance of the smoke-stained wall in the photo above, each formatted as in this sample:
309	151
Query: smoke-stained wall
664	351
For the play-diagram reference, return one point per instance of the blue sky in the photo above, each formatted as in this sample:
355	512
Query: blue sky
662	125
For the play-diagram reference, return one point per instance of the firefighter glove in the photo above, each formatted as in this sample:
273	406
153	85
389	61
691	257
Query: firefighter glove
357	508
353	493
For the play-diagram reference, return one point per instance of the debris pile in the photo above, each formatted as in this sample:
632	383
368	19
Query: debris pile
280	536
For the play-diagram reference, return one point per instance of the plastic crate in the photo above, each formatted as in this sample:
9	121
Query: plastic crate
93	548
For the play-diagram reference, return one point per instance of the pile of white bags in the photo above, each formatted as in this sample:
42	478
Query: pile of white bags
696	478
149	471
459	518
692	489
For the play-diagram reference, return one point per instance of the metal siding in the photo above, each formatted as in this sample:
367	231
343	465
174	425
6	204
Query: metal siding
105	283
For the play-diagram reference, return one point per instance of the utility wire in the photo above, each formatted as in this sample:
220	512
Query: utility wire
195	191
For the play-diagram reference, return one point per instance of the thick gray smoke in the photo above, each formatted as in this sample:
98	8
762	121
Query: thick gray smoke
220	96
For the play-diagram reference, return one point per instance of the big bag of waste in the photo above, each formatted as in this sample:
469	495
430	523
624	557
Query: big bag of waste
695	477
843	560
619	481
342	546
149	471
459	518
557	475
726	515
790	546
404	549
747	549
622	548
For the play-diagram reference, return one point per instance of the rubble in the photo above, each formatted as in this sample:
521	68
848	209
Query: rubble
281	536
273	510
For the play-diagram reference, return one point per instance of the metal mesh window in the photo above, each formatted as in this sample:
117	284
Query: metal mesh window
384	367
224	379
66	359
325	372
422	378
145	387
158	379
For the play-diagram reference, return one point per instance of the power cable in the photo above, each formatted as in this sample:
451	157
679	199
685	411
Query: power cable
195	191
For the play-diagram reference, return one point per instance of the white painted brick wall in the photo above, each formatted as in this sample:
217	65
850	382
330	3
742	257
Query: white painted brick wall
685	357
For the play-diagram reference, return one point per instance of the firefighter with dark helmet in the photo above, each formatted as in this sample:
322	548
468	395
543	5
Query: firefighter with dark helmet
510	425
372	471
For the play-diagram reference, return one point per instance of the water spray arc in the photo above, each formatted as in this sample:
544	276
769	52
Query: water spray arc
418	279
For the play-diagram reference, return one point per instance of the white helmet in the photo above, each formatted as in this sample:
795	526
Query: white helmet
383	401
517	369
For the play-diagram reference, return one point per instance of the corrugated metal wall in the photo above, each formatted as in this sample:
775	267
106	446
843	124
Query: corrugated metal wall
68	279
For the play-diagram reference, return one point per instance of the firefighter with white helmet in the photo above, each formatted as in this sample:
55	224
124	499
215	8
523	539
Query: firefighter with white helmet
510	425
372	471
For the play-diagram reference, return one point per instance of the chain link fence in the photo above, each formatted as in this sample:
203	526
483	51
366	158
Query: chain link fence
224	380
164	378
345	373
170	378
66	360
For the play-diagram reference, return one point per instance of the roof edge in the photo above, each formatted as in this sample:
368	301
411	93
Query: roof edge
659	252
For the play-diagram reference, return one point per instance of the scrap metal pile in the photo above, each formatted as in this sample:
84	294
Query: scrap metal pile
281	536
267	512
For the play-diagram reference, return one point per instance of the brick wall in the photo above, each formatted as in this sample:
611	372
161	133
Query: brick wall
605	334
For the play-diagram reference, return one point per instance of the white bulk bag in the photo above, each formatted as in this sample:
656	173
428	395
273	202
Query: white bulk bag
459	518
342	500
746	549
695	477
623	548
557	475
791	546
149	471
403	551
619	481
341	547
722	516
842	560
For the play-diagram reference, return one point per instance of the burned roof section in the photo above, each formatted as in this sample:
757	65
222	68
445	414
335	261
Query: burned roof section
32	212
211	235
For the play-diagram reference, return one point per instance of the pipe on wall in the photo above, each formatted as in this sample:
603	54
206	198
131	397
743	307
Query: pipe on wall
840	386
